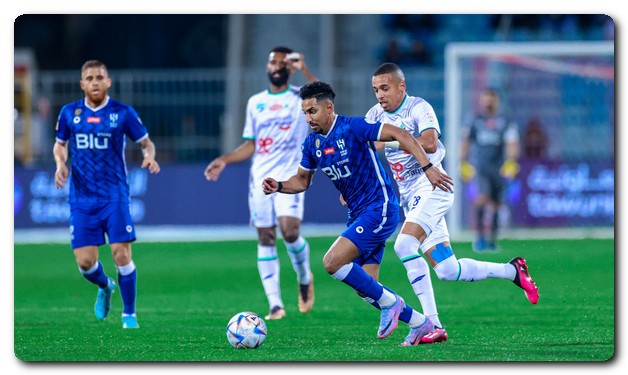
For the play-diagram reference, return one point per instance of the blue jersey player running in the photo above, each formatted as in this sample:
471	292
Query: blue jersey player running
344	149
96	128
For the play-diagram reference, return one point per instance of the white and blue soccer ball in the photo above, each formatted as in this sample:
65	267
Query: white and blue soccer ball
246	330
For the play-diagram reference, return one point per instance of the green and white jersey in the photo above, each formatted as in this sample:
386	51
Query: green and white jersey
416	116
275	121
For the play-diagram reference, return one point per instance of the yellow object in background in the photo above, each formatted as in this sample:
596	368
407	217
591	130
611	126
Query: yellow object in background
510	169
467	171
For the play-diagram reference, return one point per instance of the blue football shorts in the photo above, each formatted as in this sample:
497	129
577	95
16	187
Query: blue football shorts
90	222
369	233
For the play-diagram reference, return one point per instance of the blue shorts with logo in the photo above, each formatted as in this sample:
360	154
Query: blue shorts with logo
90	222
369	233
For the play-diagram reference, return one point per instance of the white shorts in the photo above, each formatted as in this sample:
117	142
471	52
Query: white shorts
265	209
427	208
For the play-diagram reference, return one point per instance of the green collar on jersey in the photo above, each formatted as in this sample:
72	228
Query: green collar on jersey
400	106
278	93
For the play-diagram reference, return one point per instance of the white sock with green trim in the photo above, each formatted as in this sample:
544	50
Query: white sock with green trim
407	249
268	266
299	252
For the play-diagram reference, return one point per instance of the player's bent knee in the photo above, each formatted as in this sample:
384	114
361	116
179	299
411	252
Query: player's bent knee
330	265
121	253
406	246
267	237
448	269
291	236
85	263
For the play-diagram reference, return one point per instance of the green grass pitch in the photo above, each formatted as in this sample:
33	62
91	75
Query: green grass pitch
187	292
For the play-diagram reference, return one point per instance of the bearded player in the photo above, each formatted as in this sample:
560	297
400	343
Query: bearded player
273	132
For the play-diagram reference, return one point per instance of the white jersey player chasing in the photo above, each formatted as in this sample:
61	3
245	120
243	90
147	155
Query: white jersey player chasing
425	207
274	130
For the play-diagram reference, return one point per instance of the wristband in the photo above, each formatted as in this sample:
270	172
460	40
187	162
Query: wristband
427	166
392	144
279	187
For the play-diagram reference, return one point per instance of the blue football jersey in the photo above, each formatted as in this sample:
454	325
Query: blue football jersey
347	155
97	139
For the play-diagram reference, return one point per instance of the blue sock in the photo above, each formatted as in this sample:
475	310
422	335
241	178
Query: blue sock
96	275
128	288
358	279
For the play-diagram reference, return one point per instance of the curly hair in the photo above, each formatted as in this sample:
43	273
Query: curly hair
317	90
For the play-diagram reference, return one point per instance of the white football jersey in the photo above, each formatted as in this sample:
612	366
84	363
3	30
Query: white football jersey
275	121
414	115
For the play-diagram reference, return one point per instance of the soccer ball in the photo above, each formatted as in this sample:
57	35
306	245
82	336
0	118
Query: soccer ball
246	330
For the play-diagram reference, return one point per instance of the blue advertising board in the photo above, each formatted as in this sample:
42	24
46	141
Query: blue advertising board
178	195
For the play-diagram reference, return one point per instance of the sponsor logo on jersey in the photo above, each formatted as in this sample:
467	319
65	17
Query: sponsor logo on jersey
335	173
397	168
260	107
91	141
263	144
76	119
329	151
284	122
93	120
275	107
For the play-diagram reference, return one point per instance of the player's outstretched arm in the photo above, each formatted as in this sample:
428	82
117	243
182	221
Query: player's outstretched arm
60	152
241	153
296	184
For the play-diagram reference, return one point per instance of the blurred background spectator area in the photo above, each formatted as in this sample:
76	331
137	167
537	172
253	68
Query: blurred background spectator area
176	70
189	77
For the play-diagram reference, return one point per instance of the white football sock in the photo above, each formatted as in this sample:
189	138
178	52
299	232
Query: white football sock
407	249
299	252
474	270
268	266
417	319
386	299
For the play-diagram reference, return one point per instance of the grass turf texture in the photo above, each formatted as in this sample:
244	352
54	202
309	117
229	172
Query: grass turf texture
187	292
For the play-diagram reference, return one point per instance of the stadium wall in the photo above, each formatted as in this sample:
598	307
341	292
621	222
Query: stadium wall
178	204
178	195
